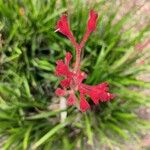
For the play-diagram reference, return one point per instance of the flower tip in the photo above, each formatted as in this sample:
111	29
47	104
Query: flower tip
92	21
62	26
93	13
68	57
60	92
71	100
62	68
84	105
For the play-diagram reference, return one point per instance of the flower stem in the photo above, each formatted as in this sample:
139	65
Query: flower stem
73	41
78	48
77	62
78	52
85	38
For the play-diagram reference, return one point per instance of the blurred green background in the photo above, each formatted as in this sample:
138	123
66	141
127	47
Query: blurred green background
117	53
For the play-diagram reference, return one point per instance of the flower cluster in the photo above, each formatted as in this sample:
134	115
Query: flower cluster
72	86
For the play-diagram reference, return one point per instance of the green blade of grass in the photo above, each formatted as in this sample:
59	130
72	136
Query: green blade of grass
26	138
89	130
49	134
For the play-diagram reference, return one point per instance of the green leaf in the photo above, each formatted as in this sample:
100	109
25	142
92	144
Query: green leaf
49	134
125	115
89	130
118	130
55	14
26	138
44	115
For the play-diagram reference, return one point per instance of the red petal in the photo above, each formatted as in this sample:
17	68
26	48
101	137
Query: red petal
103	86
84	105
61	68
68	58
97	93
95	97
60	92
63	26
71	99
92	21
65	83
106	96
79	77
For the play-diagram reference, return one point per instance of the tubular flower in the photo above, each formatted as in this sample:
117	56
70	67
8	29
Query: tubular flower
84	105
60	92
92	21
71	99
73	76
63	26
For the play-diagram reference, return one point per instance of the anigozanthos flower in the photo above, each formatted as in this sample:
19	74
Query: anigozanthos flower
73	76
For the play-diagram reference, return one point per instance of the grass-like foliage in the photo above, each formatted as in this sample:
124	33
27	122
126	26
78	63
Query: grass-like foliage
29	47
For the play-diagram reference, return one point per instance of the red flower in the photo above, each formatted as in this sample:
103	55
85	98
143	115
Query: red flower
92	21
73	77
65	83
97	93
68	58
62	69
63	26
91	26
78	78
84	105
60	92
71	99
